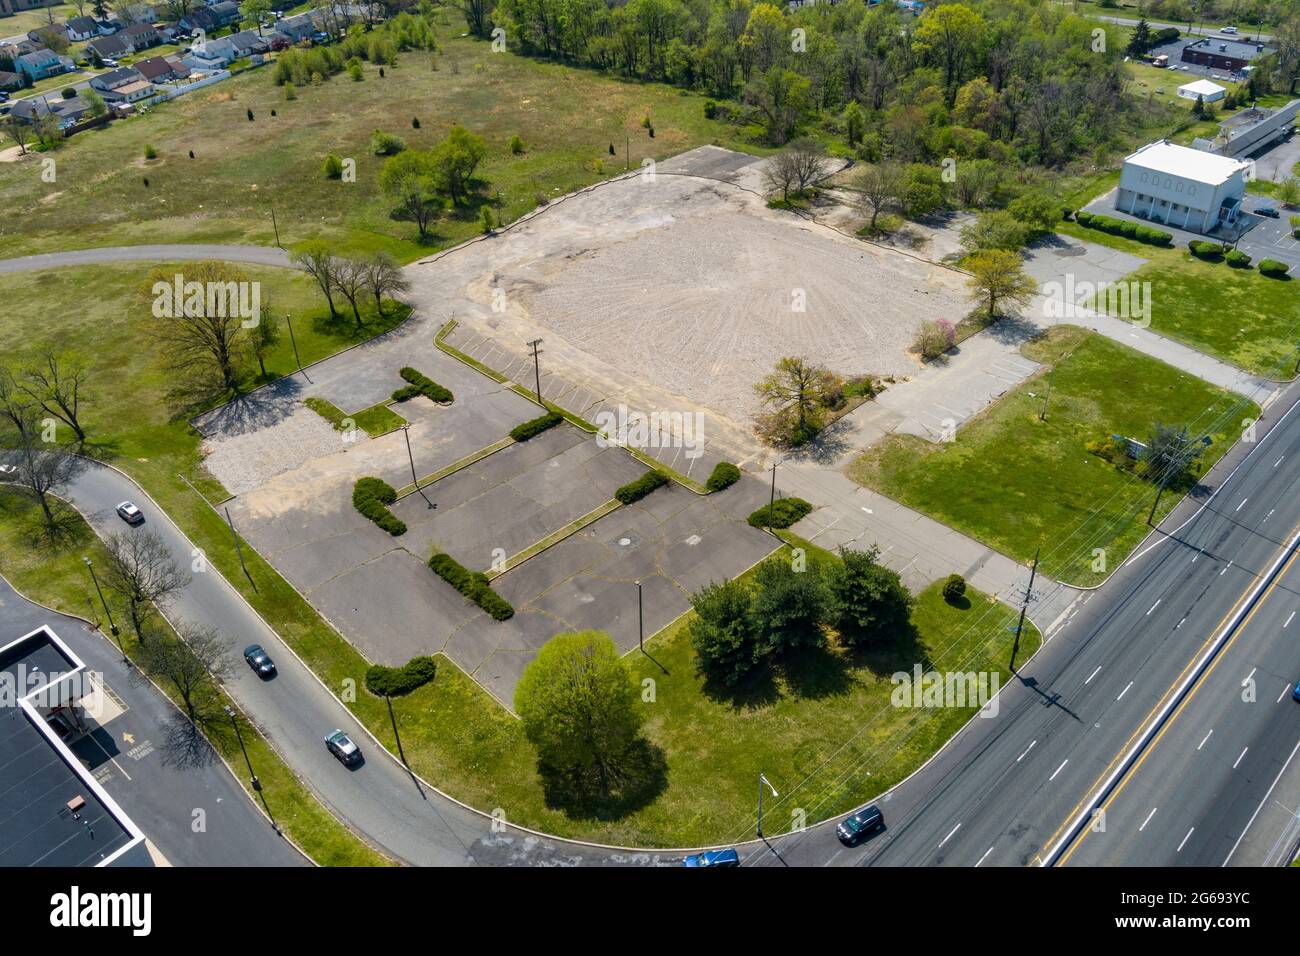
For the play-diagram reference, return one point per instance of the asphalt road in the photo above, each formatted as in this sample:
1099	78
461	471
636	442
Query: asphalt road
177	252
130	757
1205	31
1004	788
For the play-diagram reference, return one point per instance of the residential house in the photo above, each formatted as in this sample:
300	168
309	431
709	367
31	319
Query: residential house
13	49
82	28
159	69
297	28
124	85
140	36
247	43
226	12
212	55
10	81
66	112
40	35
109	48
42	64
198	19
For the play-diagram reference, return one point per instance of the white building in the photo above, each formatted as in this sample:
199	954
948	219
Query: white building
1185	188
1207	91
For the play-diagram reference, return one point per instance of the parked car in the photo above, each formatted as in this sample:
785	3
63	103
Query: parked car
1295	691
727	857
1267	211
111	64
129	513
259	660
1230	31
7	470
857	827
341	746
4	96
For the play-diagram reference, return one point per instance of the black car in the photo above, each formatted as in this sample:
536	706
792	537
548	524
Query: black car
259	660
1267	211
857	827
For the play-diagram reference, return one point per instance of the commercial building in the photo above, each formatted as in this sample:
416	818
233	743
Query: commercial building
1182	187
1222	53
1204	90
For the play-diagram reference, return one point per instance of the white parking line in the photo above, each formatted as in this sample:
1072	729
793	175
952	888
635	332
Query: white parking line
1289	618
1148	819
1185	839
1243	753
1243	503
1154	606
1058	769
1285	691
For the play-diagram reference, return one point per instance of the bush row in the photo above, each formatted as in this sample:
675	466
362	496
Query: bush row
535	426
636	490
725	474
1123	227
1273	269
473	584
1204	249
369	496
785	512
386	681
421	384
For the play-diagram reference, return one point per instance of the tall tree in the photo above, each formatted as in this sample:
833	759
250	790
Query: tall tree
722	632
384	277
455	160
789	605
998	277
409	180
142	570
794	394
868	602
43	469
199	340
55	384
880	190
194	664
315	259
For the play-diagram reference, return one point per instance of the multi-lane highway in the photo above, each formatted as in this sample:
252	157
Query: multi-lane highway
1009	789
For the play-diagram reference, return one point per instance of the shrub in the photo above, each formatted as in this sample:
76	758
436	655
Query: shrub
636	490
385	681
535	426
1273	269
1209	251
1123	227
150	152
785	512
333	167
935	337
421	385
369	496
1237	259
954	588
354	71
516	145
69	92
386	144
710	109
722	632
725	474
485	221
472	584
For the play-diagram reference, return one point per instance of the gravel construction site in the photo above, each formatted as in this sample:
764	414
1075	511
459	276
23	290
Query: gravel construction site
678	291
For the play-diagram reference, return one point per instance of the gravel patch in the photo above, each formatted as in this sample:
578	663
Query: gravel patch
242	462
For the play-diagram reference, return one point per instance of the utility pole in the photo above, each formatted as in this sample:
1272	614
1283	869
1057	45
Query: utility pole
1174	464
763	782
640	619
393	718
1015	647
406	430
627	151
288	318
239	550
771	501
274	224
537	371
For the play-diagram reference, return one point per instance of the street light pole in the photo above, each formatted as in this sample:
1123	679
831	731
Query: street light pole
1029	591
771	501
537	371
288	318
640	620
257	784
763	782
406	430
112	628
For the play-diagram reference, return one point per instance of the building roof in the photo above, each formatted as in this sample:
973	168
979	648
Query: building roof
83	25
1202	88
1223	46
154	67
1171	159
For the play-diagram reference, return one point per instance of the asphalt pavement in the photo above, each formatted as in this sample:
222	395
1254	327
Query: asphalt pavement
176	252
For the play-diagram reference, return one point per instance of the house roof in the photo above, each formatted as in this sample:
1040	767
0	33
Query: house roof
154	67
108	46
1194	164
140	29
1202	88
124	74
138	86
83	25
37	57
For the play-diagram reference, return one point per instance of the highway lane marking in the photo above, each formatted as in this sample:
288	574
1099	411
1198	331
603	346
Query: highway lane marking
1278	462
1027	749
1093	674
949	836
1185	839
1251	821
1225	568
1207	737
1180	623
1251	674
1148	819
1284	693
1289	618
1058	769
1243	503
1283	566
1124	691
1154	606
1243	753
985	856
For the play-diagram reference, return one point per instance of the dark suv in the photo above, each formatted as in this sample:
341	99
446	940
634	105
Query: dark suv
852	830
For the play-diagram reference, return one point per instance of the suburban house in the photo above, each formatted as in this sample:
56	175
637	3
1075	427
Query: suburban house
212	55
140	36
1185	188
247	43
226	12
297	28
1222	53
124	85
109	48
10	81
41	33
43	63
82	28
158	69
66	112
1204	90
13	49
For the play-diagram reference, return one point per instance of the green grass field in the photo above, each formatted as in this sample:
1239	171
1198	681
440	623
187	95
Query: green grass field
25	21
1017	482
567	118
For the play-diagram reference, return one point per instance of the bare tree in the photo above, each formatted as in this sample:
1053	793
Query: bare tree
477	14
43	468
141	569
780	175
315	259
809	161
56	385
385	278
14	403
349	277
19	132
880	189
264	336
200	342
194	665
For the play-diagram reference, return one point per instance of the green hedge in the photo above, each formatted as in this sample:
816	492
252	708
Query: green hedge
1123	227
384	681
785	512
1237	259
1209	251
636	490
421	384
1273	269
369	496
535	426
473	584
725	474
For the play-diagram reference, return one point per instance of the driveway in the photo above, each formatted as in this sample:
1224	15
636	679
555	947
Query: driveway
253	255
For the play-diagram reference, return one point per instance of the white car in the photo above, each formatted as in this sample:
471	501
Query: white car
1229	30
129	513
8	470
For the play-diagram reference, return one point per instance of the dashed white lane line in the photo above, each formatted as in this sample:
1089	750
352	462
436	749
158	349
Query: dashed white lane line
1092	675
1027	749
1058	769
1243	503
949	836
1207	737
1278	462
1250	675
1285	690
1124	691
1148	819
1290	617
985	856
1154	606
1185	839
1243	753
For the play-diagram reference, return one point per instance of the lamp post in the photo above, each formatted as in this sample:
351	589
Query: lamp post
112	628
763	782
406	431
640	620
257	784
537	371
288	318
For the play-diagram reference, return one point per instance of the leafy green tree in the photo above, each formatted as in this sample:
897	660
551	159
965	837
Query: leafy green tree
455	160
867	602
579	707
951	34
783	101
789	605
722	632
1171	455
998	277
410	179
794	394
922	190
855	122
996	229
1140	41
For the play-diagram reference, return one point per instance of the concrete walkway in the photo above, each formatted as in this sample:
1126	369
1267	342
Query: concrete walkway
253	255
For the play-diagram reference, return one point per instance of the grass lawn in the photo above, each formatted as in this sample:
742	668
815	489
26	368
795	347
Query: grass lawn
24	21
1018	483
54	575
568	119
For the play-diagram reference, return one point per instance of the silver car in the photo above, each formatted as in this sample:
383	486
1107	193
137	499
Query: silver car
341	746
129	513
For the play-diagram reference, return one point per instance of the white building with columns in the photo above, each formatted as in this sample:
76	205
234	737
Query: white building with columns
1182	187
